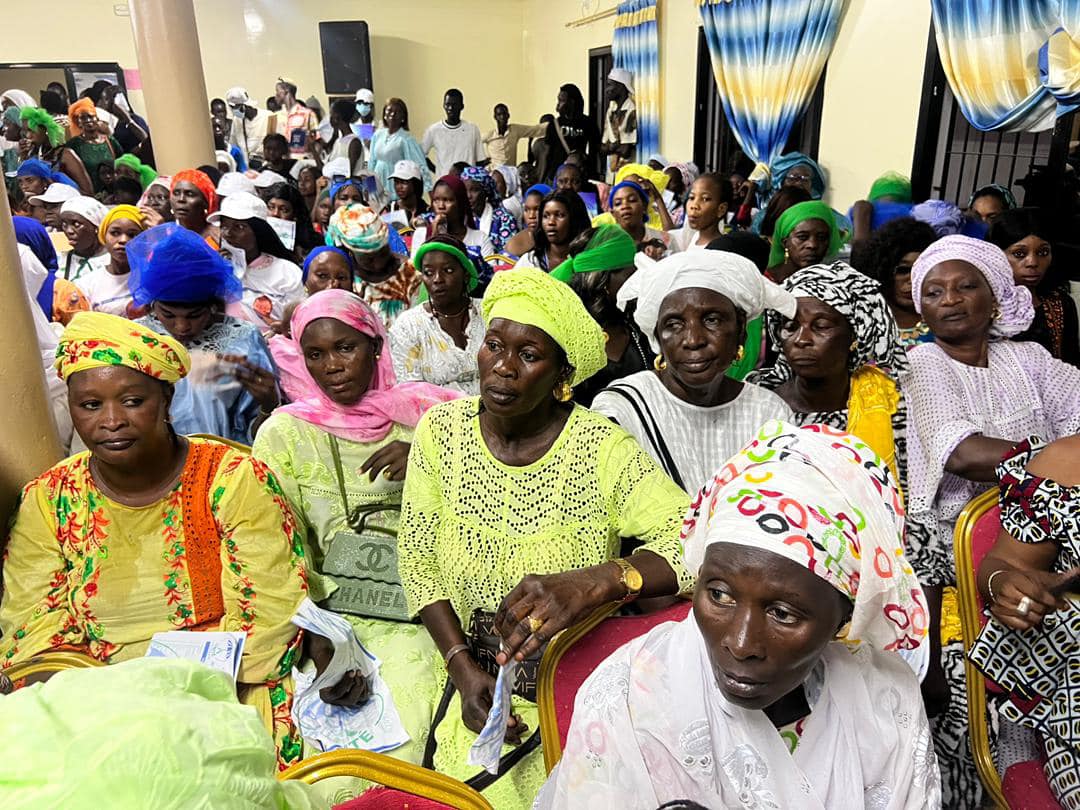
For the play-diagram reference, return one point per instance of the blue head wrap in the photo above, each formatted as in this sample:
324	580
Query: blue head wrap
481	176
326	249
628	184
543	189
785	163
32	233
172	264
39	168
338	186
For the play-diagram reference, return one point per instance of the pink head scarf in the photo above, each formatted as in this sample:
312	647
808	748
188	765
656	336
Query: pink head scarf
385	402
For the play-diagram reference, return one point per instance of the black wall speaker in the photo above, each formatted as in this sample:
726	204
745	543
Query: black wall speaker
346	56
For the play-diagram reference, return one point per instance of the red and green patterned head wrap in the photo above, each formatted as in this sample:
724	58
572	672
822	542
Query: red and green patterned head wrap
97	340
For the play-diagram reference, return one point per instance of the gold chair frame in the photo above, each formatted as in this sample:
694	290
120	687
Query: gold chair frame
51	662
967	601
387	771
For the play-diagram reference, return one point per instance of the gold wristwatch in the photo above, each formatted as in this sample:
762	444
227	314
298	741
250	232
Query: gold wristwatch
630	579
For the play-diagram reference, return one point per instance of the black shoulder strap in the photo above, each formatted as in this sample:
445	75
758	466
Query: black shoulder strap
656	438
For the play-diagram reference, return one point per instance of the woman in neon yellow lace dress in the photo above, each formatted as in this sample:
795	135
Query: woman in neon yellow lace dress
518	502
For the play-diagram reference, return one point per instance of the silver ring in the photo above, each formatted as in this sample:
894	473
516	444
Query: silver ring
1024	606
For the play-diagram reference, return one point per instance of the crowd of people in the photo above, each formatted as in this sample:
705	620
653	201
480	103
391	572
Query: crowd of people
589	377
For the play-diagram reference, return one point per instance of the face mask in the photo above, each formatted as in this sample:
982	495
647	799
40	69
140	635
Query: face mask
364	109
238	112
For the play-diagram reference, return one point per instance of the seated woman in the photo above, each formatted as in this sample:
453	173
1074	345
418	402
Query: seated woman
271	280
1028	580
563	218
286	203
518	501
629	205
451	213
437	340
687	412
346	406
80	218
321	211
972	394
1027	241
601	260
193	199
384	278
172	533
989	202
408	186
186	287
108	289
706	212
887	256
778	689
486	204
531	203
327	268
347	192
806	234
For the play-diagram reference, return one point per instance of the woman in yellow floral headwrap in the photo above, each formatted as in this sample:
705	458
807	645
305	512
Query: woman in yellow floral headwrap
150	531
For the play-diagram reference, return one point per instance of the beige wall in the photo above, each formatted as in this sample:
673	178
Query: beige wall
518	52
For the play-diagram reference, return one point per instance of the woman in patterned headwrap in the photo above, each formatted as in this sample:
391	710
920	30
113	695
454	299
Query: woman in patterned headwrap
515	502
972	395
780	689
491	217
150	531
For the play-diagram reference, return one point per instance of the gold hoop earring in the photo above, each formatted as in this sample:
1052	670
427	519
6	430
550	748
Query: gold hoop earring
740	354
564	392
842	633
995	313
659	363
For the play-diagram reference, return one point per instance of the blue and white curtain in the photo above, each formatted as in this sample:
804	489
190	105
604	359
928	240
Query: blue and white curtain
767	57
1012	64
635	46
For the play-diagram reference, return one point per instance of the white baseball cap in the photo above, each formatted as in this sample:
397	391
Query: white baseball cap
268	178
405	170
55	193
365	95
338	167
241	205
623	77
237	96
234	183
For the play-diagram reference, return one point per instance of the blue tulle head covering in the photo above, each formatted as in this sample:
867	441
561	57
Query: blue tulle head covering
172	264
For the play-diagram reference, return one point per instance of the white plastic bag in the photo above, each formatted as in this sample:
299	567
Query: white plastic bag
375	726
487	749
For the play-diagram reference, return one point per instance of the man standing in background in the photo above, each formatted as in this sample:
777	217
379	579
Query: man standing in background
502	142
454	140
364	126
619	144
295	121
249	125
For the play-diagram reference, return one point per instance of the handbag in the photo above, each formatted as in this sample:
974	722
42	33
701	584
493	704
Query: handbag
483	644
363	560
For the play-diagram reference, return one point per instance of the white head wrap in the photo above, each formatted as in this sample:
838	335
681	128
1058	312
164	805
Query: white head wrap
224	157
729	274
86	207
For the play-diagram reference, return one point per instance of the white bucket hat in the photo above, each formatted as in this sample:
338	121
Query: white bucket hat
241	205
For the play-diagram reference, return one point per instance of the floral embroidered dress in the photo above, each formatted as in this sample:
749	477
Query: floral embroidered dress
220	552
391	297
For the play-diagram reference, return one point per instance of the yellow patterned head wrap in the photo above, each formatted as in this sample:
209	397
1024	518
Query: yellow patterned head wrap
96	340
120	212
532	297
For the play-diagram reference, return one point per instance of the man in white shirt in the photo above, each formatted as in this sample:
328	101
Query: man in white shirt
249	125
502	142
454	140
619	143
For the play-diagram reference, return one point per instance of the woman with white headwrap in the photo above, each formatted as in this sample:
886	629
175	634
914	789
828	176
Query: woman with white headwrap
80	218
780	689
972	395
687	412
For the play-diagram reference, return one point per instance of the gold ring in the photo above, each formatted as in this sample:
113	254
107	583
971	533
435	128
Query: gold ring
535	624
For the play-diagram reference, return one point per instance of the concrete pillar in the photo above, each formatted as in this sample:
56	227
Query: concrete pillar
30	444
174	89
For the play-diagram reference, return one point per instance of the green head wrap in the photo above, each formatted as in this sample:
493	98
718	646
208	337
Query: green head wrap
891	184
36	118
471	278
146	174
789	220
610	248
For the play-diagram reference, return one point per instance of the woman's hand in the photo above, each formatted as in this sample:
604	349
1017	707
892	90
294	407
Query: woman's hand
151	218
477	690
352	690
1042	589
393	459
258	381
543	604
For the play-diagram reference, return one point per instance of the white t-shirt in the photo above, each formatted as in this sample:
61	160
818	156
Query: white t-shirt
473	238
684	239
106	292
698	439
453	145
270	285
73	266
248	135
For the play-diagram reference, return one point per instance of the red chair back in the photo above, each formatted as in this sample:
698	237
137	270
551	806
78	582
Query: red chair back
983	536
579	662
384	798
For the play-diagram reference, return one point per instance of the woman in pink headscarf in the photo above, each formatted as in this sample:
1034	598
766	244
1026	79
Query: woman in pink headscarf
342	444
